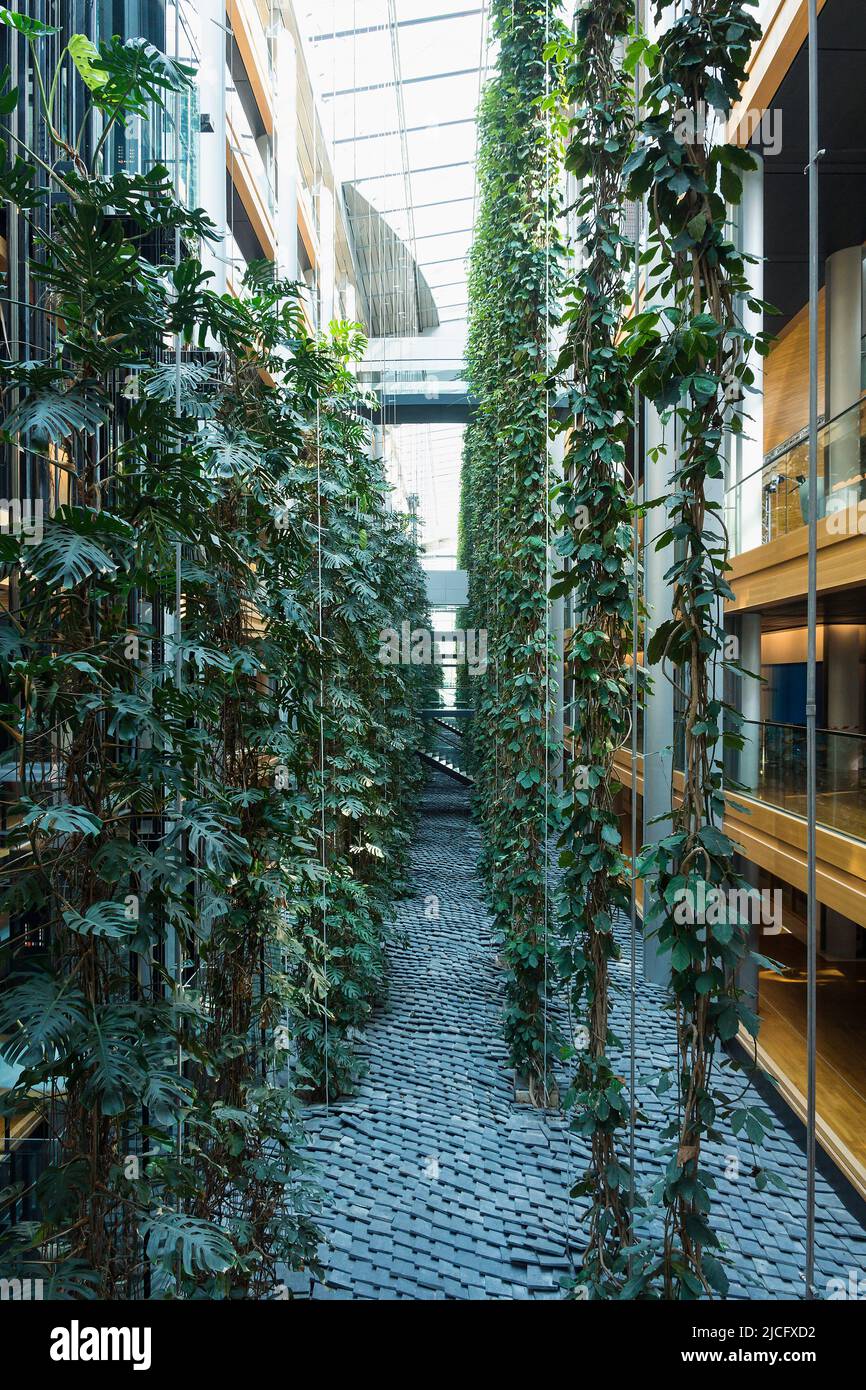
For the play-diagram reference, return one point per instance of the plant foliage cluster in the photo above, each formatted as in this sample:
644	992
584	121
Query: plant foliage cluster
513	287
210	777
691	359
684	347
594	520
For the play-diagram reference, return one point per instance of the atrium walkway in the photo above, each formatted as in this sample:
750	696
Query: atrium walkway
439	1186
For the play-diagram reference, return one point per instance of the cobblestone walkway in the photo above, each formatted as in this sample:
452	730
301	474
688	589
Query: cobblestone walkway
439	1186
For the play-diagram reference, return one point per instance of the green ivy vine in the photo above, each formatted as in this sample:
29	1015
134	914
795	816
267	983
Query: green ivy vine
691	359
595	519
207	803
513	286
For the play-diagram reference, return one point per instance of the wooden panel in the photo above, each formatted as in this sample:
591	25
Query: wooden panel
786	25
786	378
777	826
24	1126
843	891
622	768
776	572
242	177
784	1064
306	224
250	38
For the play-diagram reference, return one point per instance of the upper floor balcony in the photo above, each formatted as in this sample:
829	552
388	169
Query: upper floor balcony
781	486
767	515
772	767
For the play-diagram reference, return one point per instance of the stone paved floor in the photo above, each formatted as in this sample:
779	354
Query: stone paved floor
439	1186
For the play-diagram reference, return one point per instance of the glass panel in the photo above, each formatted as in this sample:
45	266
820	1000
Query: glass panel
460	182
443	244
368	159
419	9
438	145
450	43
784	486
772	766
418	150
326	16
453	94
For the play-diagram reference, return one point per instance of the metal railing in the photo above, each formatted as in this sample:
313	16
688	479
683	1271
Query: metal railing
448	743
782	483
772	767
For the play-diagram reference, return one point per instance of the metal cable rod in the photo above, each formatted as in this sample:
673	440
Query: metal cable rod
811	658
632	1020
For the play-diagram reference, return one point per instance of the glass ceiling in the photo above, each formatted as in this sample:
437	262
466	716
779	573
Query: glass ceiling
399	83
424	463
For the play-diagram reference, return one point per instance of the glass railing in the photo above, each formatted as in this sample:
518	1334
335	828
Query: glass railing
772	767
781	487
403	371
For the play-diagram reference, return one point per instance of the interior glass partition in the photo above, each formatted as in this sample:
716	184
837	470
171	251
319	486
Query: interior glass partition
772	767
784	485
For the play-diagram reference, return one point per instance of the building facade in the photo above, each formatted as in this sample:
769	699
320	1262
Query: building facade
766	507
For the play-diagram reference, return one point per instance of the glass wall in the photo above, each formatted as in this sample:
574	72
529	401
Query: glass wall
772	767
162	137
785	486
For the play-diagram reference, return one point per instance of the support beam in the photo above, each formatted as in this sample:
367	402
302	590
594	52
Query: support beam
407	82
422	413
426	169
401	24
410	130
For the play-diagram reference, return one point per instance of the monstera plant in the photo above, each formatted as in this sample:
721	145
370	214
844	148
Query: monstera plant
200	599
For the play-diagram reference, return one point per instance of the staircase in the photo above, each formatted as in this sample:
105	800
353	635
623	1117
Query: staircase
442	765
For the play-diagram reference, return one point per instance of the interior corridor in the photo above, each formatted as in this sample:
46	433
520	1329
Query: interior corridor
437	1185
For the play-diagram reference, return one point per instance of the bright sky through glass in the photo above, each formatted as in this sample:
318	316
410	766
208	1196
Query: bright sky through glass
399	83
425	461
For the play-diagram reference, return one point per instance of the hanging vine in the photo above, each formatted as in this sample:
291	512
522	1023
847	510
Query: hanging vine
691	360
366	576
163	966
595	523
514	280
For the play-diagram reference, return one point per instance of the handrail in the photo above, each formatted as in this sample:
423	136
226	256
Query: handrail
799	439
779	724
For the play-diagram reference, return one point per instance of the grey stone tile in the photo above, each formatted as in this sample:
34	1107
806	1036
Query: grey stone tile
439	1186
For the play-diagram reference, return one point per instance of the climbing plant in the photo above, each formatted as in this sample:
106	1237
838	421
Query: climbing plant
514	278
99	748
166	662
595	519
690	353
365	579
